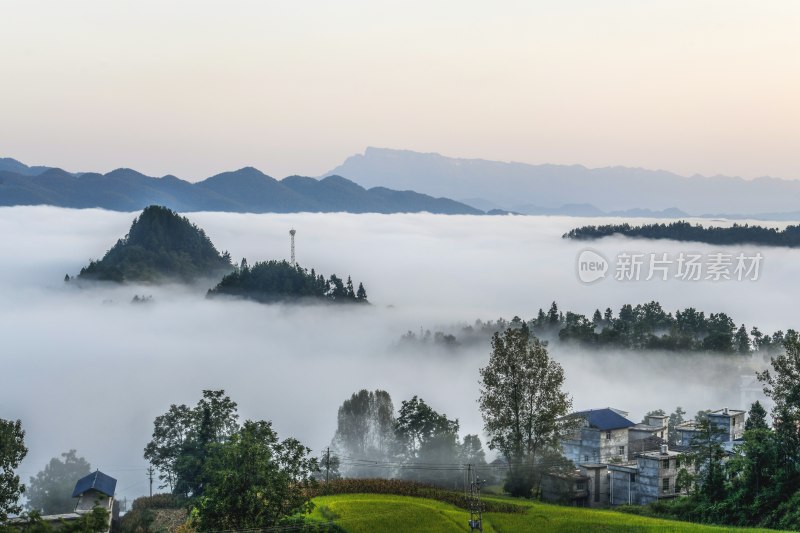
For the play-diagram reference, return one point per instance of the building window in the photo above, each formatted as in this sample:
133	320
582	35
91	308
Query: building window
608	435
580	485
665	464
633	478
665	484
733	422
585	458
622	450
677	462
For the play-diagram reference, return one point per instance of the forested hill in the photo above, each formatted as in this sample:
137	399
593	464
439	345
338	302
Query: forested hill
281	281
638	327
160	246
246	190
684	231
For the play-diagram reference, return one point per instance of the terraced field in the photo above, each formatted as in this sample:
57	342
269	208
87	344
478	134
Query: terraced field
381	513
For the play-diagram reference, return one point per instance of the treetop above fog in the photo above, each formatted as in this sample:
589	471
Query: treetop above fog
161	245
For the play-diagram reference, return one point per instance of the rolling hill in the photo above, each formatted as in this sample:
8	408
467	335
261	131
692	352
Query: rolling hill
244	190
160	246
367	513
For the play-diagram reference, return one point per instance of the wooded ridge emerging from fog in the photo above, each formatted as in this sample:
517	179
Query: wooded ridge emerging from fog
246	190
684	231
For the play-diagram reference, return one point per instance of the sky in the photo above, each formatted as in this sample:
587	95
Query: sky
84	368
194	87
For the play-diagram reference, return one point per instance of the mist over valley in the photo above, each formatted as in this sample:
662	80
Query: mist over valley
109	366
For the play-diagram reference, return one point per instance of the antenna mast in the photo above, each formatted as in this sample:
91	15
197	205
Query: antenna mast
291	234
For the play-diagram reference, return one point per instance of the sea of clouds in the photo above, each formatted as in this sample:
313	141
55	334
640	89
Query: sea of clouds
86	369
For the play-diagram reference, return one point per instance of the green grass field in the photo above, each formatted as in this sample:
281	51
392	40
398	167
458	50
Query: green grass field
379	513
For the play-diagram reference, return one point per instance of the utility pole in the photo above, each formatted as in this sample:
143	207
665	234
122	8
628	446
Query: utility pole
150	473
474	501
327	465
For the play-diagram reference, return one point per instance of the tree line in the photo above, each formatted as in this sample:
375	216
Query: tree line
416	444
684	231
758	482
235	475
270	281
641	327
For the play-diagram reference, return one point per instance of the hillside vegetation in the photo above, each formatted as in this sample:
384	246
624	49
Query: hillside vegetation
276	281
160	246
684	231
368	513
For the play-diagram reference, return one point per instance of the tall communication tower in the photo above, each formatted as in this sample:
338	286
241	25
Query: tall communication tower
291	234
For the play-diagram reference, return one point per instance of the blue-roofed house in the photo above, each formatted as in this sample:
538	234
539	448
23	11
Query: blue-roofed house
95	490
602	437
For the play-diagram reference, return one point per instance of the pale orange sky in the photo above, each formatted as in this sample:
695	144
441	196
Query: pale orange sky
196	87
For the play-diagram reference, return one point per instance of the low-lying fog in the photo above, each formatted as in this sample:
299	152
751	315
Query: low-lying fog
86	369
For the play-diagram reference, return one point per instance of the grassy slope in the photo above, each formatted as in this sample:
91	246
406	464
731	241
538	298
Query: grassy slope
368	513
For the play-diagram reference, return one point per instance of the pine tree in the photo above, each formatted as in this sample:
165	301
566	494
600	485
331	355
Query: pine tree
756	418
361	294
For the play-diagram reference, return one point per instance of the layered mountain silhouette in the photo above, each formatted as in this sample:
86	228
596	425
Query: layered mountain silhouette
400	181
573	189
243	190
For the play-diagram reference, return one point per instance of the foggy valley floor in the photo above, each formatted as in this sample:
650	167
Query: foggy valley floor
109	367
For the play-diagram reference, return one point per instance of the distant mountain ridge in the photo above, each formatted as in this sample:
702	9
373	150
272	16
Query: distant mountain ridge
552	189
243	190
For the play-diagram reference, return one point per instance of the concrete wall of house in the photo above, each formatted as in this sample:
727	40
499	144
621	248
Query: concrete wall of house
649	480
686	436
731	425
583	447
624	487
653	470
598	485
566	491
589	445
614	445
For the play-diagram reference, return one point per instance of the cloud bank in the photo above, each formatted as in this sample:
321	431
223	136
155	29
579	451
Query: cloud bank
86	369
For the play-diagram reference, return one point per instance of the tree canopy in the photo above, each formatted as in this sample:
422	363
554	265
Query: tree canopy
523	404
160	246
182	436
274	281
12	451
684	231
50	491
254	480
645	326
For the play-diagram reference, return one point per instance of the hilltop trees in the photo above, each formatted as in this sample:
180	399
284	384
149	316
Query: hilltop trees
649	327
50	492
522	404
684	231
272	281
160	246
640	327
12	451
